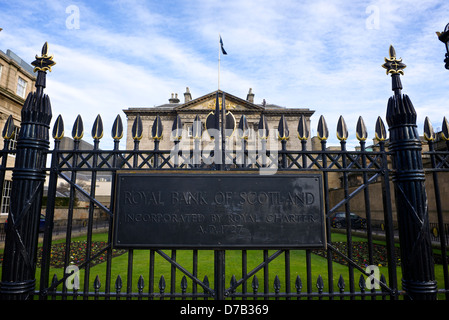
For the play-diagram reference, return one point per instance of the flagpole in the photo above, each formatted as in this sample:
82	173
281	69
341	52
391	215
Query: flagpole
219	48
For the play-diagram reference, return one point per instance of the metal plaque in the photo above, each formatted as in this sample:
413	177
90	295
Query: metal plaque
218	210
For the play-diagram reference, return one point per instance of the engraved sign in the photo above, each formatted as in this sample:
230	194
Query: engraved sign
218	210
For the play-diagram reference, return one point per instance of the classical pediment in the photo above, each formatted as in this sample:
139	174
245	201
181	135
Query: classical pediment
208	101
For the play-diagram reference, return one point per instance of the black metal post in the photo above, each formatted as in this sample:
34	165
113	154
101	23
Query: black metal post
19	264
418	279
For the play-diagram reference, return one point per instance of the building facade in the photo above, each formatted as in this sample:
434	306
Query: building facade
17	80
202	106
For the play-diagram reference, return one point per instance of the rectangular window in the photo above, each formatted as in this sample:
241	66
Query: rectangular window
189	130
21	87
13	140
1	67
6	197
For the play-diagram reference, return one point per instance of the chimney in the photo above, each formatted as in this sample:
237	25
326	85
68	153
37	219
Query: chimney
187	95
250	96
174	98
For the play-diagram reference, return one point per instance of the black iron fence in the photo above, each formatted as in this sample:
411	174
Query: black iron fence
345	268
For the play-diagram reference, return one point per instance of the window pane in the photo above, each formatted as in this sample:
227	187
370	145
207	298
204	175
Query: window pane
21	87
6	197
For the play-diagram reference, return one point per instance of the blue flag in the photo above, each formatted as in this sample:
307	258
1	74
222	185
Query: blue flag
222	49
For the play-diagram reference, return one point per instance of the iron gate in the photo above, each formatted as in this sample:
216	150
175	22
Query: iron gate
398	159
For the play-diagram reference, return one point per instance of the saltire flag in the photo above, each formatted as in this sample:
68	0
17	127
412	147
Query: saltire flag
222	49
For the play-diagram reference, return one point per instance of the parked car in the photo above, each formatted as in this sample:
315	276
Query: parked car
339	221
41	223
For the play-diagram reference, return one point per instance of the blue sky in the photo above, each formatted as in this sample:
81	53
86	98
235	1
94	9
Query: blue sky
322	55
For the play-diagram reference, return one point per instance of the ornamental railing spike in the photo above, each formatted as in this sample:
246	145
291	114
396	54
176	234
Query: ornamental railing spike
137	128
230	124
233	282
429	134
97	283
78	128
118	283
255	283
8	130
283	132
156	131
362	283
54	281
184	284
117	128
277	284
341	283
263	127
206	281
140	284
58	128
380	132
197	128
243	131
162	284
342	129
97	128
210	124
298	284
320	284
361	131
383	280
303	128
445	130
322	130
176	130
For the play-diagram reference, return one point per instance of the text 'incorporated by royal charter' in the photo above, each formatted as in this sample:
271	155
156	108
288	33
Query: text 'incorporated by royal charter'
193	210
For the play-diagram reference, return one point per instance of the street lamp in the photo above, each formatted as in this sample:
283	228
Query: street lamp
444	37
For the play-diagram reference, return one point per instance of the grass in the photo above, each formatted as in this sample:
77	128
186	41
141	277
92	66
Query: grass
141	258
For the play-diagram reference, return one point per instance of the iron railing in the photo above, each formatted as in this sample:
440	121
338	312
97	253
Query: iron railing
254	280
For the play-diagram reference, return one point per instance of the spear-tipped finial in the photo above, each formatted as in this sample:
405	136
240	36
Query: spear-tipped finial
243	128
156	131
45	61
393	65
283	132
380	132
42	64
97	128
117	129
78	128
137	129
8	130
58	129
322	130
361	131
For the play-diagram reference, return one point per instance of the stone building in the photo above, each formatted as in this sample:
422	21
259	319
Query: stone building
17	80
190	107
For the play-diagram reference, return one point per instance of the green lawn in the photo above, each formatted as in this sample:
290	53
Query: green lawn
141	258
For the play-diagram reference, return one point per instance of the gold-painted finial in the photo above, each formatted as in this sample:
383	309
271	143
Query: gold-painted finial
393	65
44	62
